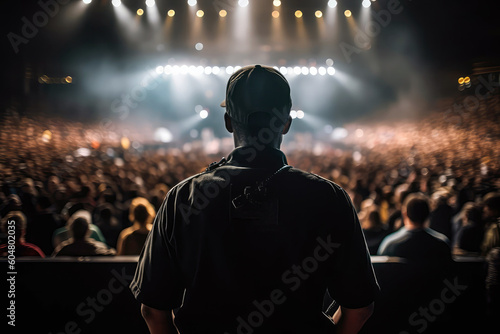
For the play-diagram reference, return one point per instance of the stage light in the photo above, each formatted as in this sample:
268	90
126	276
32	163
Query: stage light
159	69
318	14
175	69
313	71
204	113
87	1
192	2
297	70
150	3
329	62
243	3
236	68
216	70
200	13
283	70
198	46
140	12
461	81
304	70
208	70
300	114
125	142
466	80
332	3
184	69
366	3
116	3
163	135
199	70
347	13
167	69
171	13
293	114
69	79
229	70
298	14
275	14
222	13
330	70
277	3
322	70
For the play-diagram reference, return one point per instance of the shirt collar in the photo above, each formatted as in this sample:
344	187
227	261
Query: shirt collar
257	157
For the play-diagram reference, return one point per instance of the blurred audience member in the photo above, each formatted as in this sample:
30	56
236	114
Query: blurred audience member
79	243
374	230
441	214
43	225
14	224
63	233
470	235
108	224
491	211
132	239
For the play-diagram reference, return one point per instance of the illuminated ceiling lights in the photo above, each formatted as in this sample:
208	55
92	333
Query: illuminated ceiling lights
140	11
200	13
116	3
275	14
222	13
332	3
318	14
366	3
150	3
87	1
347	13
298	14
243	3
216	70
192	2
171	12
276	3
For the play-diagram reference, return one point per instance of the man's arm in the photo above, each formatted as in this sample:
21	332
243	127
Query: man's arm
159	321
351	320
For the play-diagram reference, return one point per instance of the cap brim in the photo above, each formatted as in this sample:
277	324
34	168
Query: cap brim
223	104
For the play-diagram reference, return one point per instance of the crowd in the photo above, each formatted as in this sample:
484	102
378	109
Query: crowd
77	189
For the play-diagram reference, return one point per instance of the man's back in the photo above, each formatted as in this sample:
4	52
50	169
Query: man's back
264	267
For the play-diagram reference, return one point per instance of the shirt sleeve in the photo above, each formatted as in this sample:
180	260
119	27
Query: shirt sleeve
158	281
352	282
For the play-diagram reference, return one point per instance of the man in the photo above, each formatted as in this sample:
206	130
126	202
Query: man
414	241
491	212
251	245
80	243
14	226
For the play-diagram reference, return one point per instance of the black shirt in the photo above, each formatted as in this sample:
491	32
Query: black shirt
263	266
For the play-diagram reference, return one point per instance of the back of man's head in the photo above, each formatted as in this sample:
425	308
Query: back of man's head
141	214
416	206
79	228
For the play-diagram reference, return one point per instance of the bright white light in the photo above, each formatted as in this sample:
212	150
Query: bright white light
167	69
200	69
184	69
332	3
293	114
243	3
236	68
82	152
229	70
87	1
199	46
150	3
192	70
277	3
300	114
116	3
366	3
204	113
163	135
304	70
357	156
208	70
175	69
283	70
159	69
329	62
331	70
322	70
359	133
313	71
215	70
192	2
297	70
339	133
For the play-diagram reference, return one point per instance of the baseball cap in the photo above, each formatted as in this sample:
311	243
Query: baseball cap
257	89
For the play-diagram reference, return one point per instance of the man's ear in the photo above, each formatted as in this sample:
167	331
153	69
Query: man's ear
227	123
287	125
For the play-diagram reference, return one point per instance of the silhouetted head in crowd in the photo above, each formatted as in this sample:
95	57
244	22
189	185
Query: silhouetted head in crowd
43	203
18	220
79	228
415	210
491	205
141	214
257	106
471	213
146	213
